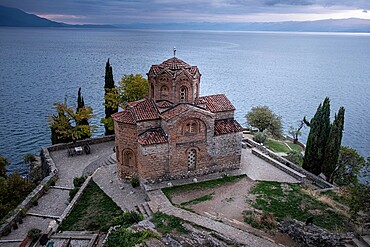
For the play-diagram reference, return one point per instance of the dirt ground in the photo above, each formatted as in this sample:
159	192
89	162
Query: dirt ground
227	205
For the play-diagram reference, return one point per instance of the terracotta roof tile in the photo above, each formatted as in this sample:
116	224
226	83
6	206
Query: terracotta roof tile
226	126
144	109
173	66
164	104
174	111
124	116
215	103
152	136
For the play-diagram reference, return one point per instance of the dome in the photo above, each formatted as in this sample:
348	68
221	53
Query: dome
173	66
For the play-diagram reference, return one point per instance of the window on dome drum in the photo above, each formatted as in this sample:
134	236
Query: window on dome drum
183	94
191	128
192	159
164	92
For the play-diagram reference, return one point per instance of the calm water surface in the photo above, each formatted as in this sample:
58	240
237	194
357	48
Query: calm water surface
290	72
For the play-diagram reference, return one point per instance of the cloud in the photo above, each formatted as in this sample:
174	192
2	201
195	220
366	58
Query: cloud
127	11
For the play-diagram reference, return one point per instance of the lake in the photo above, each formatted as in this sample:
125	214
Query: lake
292	73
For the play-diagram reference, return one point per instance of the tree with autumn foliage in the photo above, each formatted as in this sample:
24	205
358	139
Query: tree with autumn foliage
71	124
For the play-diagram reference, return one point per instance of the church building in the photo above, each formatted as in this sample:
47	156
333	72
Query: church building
175	132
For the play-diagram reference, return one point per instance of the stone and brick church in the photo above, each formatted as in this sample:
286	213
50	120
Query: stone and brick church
175	133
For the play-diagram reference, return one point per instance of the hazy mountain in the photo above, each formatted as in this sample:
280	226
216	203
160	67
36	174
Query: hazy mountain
12	17
331	25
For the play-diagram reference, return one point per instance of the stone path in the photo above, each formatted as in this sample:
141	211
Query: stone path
258	169
55	201
121	193
159	202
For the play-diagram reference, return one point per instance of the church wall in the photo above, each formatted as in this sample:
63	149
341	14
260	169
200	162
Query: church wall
224	115
145	125
152	161
126	140
227	150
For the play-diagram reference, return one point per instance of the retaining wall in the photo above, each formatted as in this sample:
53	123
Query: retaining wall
22	208
312	178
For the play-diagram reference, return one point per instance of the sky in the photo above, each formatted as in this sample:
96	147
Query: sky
170	11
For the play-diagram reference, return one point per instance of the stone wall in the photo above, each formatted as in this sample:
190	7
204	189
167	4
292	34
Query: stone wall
89	141
311	178
19	212
313	236
153	161
224	115
126	142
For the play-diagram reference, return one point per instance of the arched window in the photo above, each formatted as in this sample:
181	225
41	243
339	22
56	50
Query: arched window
191	128
164	92
128	158
183	94
192	159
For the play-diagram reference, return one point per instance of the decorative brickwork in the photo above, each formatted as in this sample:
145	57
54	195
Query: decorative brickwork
175	133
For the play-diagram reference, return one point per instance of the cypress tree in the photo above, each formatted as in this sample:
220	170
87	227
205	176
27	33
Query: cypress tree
108	87
333	145
80	105
317	138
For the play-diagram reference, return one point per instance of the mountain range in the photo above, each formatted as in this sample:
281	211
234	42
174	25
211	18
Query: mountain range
12	17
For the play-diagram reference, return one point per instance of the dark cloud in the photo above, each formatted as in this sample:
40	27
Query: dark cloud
122	11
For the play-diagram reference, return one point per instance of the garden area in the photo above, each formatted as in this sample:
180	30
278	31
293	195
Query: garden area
258	206
94	211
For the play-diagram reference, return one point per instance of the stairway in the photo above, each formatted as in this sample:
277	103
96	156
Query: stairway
144	209
360	241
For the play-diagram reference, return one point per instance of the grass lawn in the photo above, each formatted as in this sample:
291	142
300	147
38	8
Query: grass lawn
94	211
277	146
165	223
294	146
194	186
288	200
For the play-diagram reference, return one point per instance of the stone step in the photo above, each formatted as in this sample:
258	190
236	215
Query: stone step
144	209
358	243
147	209
365	239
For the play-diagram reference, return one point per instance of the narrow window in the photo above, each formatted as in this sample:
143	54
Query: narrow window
183	94
192	159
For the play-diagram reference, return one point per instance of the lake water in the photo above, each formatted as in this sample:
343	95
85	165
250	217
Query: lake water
290	72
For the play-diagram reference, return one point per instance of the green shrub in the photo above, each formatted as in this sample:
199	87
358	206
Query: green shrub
128	218
34	202
127	238
53	181
72	193
46	187
134	181
165	223
295	157
34	234
260	137
78	181
265	220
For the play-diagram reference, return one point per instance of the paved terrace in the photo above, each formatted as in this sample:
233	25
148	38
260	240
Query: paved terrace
54	202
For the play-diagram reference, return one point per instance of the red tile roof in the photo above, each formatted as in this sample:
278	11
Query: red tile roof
164	104
172	66
124	116
215	103
226	126
144	109
174	111
152	136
